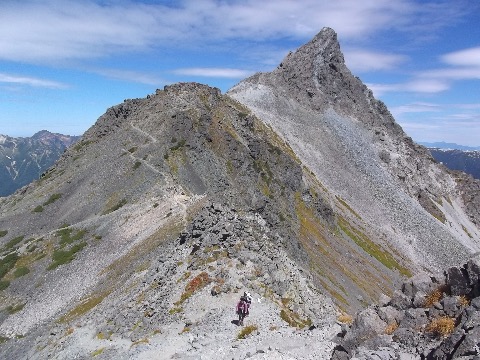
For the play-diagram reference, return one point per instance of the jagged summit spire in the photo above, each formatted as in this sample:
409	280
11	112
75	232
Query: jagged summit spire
322	49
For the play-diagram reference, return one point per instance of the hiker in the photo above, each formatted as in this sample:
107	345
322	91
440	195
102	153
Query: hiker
243	307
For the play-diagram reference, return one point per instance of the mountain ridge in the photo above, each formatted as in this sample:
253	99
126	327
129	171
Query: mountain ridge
142	236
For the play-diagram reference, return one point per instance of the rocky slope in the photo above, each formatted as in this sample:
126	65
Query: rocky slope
138	242
23	160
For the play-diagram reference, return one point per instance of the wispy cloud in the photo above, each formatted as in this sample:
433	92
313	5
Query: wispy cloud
467	57
49	31
418	85
419	107
215	72
31	81
132	76
363	60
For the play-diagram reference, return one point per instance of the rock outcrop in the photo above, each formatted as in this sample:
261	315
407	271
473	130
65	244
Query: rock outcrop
432	317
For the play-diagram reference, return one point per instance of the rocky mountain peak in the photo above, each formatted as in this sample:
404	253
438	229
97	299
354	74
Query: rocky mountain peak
323	50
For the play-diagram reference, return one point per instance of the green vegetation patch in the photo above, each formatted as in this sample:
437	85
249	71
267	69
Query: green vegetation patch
13	309
346	206
84	306
4	284
81	144
52	199
21	271
61	257
3	233
7	264
38	209
68	236
137	165
98	352
15	241
372	248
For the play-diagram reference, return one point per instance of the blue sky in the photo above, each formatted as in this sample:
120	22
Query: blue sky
63	63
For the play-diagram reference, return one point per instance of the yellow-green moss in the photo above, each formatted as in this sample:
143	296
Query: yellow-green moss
85	306
371	248
246	331
346	206
98	352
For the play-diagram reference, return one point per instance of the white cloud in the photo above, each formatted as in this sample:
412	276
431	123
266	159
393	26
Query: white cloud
420	107
363	60
31	81
466	57
52	31
132	76
418	85
215	72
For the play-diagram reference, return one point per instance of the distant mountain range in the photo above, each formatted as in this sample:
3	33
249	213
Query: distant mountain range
445	145
464	160
24	159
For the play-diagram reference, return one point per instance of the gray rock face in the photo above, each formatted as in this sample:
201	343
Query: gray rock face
341	132
426	331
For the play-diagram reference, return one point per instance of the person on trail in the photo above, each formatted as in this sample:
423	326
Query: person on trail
243	307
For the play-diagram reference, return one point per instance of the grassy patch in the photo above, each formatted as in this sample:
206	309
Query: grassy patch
293	319
346	206
3	233
433	297
21	271
61	257
4	284
13	309
175	310
15	241
68	237
115	207
372	248
38	209
345	318
7	264
390	329
137	165
246	331
98	352
81	144
52	199
85	306
466	232
442	326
